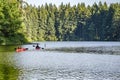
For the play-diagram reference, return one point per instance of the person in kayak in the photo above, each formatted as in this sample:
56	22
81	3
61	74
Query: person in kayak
37	46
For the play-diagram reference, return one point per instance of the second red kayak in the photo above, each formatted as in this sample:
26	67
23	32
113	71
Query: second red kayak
21	49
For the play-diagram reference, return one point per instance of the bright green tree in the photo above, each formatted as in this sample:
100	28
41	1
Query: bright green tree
11	22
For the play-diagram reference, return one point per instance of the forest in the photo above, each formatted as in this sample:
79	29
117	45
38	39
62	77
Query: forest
21	22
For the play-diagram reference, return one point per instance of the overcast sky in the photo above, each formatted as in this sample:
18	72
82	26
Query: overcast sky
72	2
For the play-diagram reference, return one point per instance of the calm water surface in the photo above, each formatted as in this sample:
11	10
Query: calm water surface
55	65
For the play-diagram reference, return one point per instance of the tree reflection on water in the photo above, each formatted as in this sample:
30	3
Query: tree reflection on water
8	72
7	69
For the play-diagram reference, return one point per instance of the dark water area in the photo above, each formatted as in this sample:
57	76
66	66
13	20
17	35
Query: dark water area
61	61
112	48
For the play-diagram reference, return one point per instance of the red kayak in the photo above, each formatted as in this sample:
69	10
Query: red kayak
21	49
37	48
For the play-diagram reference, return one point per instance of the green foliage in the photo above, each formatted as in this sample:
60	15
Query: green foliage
64	23
10	22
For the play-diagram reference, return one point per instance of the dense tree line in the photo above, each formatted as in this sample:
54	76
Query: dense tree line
99	22
65	23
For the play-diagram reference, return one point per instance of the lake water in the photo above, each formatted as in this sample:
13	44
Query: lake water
59	65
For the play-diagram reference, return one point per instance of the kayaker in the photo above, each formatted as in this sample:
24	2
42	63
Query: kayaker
37	46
